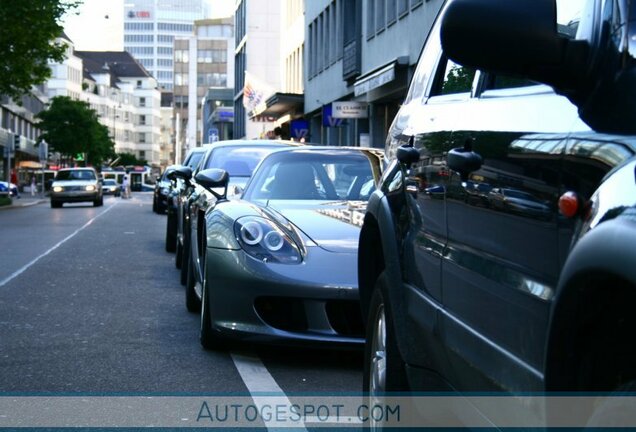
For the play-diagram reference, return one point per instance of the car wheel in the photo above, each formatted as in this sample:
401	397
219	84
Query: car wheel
185	259
193	303
101	201
96	202
154	205
384	369
208	338
56	204
171	238
178	255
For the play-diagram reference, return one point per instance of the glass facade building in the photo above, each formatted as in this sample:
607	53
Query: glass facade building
150	28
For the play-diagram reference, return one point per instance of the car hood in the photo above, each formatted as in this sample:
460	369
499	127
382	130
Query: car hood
334	225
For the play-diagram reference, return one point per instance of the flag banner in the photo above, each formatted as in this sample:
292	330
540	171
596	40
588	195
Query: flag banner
255	92
315	411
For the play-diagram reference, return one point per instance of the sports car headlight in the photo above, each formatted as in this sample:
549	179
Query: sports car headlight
266	241
90	188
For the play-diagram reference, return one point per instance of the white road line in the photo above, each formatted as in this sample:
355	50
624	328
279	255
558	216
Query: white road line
57	245
257	379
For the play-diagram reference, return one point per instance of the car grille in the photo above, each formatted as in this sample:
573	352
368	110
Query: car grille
290	314
73	188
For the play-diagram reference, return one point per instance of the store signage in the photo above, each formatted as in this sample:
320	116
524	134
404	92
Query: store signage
328	120
138	14
299	128
349	110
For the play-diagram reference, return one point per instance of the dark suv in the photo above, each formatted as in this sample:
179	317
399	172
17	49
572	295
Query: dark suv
529	283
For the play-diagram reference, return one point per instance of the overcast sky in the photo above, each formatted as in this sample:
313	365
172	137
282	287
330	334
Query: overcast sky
99	24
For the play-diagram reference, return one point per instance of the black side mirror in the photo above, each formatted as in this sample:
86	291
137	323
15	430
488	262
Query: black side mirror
182	172
408	155
214	178
464	161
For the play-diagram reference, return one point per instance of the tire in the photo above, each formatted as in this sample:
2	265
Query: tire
101	200
185	259
384	369
178	255
209	339
154	205
56	204
96	203
171	238
193	303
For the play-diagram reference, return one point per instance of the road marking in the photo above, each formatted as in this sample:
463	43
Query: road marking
259	381
57	245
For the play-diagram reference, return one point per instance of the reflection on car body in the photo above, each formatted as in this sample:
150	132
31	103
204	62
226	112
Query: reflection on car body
499	276
271	257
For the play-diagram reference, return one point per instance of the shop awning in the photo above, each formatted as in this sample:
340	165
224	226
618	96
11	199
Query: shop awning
29	165
279	104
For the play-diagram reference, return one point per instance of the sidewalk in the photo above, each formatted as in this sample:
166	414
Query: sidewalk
25	200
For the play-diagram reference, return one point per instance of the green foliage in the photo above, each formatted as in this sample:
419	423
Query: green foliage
28	29
127	159
5	200
71	127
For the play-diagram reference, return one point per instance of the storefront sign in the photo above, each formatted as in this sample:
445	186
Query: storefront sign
349	109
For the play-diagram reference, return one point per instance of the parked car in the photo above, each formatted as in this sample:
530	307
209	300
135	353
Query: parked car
238	158
280	263
176	196
529	97
76	185
110	187
11	188
161	191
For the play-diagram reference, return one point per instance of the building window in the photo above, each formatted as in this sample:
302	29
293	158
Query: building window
165	38
142	101
164	50
403	7
164	62
139	83
142	137
181	56
142	154
370	18
181	79
391	11
380	18
142	120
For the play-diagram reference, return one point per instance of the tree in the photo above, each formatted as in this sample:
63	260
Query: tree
127	159
71	127
28	29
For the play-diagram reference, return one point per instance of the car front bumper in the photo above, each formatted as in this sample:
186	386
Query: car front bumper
315	301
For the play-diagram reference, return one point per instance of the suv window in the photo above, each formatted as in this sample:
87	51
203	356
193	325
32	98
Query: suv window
75	175
455	79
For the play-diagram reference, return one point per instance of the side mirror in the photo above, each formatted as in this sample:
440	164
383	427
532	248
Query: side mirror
516	38
214	178
408	155
464	161
182	172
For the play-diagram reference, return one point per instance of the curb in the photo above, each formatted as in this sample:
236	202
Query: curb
28	204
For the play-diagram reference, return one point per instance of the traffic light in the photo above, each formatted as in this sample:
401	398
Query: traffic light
16	142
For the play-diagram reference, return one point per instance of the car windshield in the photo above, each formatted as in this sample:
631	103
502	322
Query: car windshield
238	161
313	175
110	183
194	160
75	175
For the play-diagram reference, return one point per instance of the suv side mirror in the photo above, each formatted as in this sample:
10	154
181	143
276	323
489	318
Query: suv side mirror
517	37
464	161
407	155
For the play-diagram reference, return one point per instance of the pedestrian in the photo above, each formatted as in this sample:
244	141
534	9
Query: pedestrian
14	180
125	191
33	186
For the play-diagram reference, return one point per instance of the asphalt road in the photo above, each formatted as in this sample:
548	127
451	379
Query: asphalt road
91	302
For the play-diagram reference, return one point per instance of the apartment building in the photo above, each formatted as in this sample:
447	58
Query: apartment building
150	28
362	52
202	61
